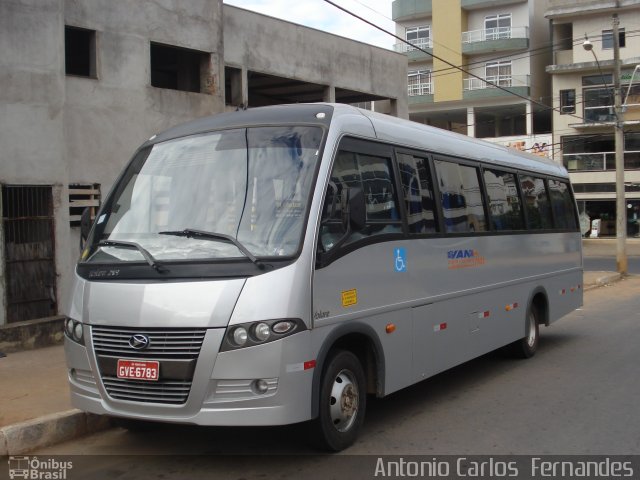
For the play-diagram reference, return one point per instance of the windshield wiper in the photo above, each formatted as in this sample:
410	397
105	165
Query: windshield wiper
145	253
193	233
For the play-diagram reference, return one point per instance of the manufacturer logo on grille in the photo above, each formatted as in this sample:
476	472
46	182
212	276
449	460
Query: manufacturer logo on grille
139	341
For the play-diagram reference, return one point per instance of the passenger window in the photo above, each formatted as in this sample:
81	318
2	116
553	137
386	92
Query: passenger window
418	193
536	203
460	197
504	202
374	175
563	206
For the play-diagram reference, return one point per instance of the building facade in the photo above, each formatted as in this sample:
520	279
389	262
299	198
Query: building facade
584	122
502	41
85	83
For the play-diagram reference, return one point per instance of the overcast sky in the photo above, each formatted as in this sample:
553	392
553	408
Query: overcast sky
324	16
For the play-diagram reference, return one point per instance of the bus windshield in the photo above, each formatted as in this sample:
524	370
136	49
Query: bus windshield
248	185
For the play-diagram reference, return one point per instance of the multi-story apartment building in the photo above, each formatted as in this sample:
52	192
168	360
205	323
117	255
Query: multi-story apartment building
505	42
584	122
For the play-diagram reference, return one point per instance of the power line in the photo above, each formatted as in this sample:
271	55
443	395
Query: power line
441	59
529	54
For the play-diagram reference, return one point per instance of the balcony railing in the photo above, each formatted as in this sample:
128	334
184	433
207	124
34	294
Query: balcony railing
599	114
499	33
423	43
601	161
472	83
420	89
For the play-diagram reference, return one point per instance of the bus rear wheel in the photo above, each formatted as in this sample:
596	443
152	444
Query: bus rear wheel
527	346
342	402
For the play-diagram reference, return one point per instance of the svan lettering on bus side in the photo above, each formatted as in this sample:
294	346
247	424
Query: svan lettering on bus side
453	254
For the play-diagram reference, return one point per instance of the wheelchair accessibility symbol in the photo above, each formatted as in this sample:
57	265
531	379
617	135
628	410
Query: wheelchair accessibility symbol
400	256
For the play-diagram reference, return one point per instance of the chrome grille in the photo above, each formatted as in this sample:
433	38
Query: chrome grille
177	349
169	343
163	391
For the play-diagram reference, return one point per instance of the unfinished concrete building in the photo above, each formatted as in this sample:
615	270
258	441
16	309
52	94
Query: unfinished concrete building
85	83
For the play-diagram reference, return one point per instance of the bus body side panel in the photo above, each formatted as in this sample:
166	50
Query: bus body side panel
458	298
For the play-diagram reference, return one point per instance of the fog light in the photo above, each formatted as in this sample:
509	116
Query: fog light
260	386
77	332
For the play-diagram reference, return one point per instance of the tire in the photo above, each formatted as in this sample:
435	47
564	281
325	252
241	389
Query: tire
342	402
527	346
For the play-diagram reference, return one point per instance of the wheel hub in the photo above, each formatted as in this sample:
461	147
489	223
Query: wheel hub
344	401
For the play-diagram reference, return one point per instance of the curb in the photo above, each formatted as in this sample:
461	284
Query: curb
48	430
604	280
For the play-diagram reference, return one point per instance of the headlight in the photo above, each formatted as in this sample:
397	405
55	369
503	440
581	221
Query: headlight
259	333
77	332
240	336
69	327
262	332
74	330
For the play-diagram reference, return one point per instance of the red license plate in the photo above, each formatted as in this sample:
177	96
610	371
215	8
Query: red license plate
139	370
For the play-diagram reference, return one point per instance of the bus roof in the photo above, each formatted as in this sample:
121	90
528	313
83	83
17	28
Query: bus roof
436	140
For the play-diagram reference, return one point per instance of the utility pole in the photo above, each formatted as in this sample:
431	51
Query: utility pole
621	203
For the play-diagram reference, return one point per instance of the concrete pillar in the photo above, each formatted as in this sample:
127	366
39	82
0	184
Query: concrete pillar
244	80
393	107
471	122
529	117
329	94
236	84
498	126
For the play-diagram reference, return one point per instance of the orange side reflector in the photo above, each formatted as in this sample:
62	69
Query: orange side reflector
390	328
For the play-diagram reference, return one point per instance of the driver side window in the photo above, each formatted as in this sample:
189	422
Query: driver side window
374	176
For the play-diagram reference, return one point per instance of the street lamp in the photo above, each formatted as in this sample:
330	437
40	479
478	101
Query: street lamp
621	204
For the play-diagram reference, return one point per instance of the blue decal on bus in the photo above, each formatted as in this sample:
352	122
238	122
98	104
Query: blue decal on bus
400	259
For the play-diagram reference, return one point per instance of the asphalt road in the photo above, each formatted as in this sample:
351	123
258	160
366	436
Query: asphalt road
578	395
608	264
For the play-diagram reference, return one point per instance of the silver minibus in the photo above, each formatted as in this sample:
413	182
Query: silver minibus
279	264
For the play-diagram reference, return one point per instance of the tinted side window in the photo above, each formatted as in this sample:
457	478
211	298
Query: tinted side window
418	193
504	202
536	203
374	175
460	197
563	206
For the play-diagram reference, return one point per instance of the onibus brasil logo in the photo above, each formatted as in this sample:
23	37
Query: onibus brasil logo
38	469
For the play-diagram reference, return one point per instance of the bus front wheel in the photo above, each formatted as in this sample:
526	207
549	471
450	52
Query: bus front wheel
342	402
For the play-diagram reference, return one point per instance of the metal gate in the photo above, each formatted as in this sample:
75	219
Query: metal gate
29	252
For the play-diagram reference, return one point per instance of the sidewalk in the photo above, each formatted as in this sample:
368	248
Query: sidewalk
35	406
35	409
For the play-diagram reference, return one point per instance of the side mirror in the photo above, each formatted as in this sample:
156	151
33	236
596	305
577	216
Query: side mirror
357	209
85	226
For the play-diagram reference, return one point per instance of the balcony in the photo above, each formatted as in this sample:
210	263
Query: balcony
402	10
563	57
599	114
477	4
412	52
420	89
500	39
475	88
600	161
420	93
